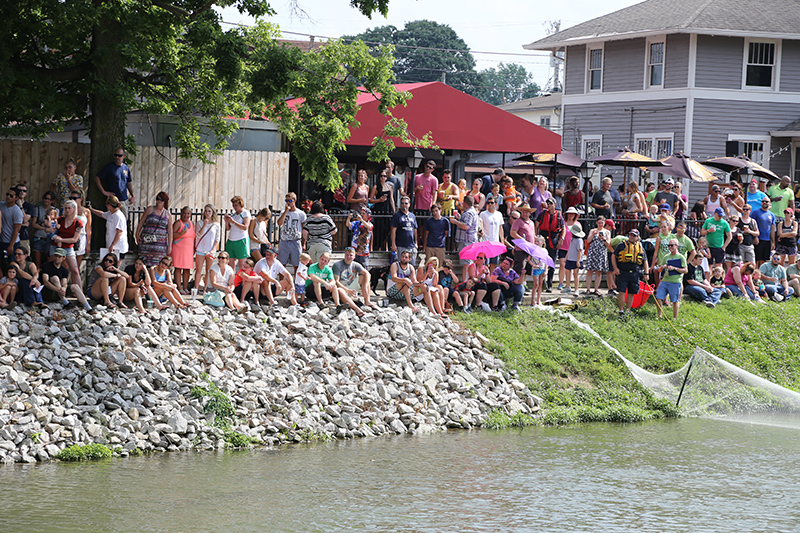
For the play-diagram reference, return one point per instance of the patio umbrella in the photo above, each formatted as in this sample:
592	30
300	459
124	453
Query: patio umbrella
627	158
684	167
488	248
565	158
534	251
740	162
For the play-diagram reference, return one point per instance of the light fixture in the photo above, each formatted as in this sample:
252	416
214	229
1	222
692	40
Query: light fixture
414	159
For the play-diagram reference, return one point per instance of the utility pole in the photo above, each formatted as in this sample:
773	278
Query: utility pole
556	58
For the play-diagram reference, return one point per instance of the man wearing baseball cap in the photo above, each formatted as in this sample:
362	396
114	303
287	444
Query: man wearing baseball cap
718	233
668	197
628	261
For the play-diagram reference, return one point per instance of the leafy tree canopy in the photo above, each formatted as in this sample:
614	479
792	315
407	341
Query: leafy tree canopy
96	60
509	82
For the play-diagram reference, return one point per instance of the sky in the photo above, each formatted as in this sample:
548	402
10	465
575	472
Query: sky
494	30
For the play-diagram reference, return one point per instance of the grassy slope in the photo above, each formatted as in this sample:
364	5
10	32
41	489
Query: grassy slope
581	380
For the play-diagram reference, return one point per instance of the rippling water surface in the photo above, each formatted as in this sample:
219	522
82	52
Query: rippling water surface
686	475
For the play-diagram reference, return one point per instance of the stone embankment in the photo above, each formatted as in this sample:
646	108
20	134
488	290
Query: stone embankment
125	380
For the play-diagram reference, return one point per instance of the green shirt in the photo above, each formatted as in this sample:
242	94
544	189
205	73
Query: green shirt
651	196
323	273
778	207
617	240
716	238
673	275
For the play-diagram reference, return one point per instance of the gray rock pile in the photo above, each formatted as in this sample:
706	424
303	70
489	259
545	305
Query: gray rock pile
124	380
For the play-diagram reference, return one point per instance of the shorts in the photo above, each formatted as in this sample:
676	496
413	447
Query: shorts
671	289
733	258
238	249
627	281
41	245
748	253
763	249
362	260
289	253
571	265
211	253
394	293
438	253
562	254
300	288
782	249
324	292
315	250
538	272
718	256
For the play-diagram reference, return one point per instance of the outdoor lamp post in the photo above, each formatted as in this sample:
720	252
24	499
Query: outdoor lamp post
587	172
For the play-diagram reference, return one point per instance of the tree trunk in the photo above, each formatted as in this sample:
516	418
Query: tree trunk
107	130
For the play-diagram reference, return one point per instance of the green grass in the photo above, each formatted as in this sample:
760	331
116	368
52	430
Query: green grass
86	452
582	381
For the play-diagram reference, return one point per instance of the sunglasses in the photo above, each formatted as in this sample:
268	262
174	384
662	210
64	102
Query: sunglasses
22	190
109	260
671	245
18	253
9	195
289	200
160	200
119	155
71	198
489	202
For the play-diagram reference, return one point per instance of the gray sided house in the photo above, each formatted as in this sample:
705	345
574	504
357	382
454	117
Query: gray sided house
689	75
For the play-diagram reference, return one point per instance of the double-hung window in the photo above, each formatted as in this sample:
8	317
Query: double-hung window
760	64
655	64
595	73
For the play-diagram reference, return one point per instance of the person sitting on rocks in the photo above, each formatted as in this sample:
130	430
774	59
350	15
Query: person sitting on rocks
447	280
275	278
465	291
402	279
140	285
351	276
220	278
9	286
55	278
776	282
480	270
321	280
107	281
512	285
30	288
163	284
428	287
246	281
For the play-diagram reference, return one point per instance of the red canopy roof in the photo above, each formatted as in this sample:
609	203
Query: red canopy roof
457	120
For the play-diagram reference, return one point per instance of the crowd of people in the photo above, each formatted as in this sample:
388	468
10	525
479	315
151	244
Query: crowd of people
741	242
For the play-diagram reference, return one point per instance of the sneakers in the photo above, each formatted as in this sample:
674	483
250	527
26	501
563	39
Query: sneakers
485	306
612	292
467	309
566	291
515	307
560	286
710	305
622	315
777	297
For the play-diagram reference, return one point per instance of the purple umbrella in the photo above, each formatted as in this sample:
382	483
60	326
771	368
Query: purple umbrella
534	251
487	248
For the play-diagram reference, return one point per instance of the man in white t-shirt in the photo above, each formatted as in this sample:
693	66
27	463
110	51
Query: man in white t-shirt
291	223
116	227
276	278
492	223
351	276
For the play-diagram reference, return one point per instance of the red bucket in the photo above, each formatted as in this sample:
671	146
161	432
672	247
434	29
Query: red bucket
640	298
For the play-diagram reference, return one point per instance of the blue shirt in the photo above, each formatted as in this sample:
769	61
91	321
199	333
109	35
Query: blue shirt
405	223
754	199
115	179
765	220
437	232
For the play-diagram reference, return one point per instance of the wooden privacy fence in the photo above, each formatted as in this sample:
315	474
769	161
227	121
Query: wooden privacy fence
261	178
36	163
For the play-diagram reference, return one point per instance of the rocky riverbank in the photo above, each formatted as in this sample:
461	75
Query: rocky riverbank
161	381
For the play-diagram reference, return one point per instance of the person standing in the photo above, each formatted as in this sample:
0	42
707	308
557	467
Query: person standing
11	219
602	200
447	194
85	216
466	229
628	261
435	232
28	215
718	233
291	223
489	179
749	231
114	179
237	226
523	228
672	271
754	197
492	224
425	188
207	236
66	183
550	225
116	226
154	232
68	233
404	231
782	197
183	234
358	196
318	232
382	197
766	221
666	196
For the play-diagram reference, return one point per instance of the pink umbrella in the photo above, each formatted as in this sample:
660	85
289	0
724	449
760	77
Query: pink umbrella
534	251
487	248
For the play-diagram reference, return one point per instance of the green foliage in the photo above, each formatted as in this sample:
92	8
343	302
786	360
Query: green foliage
87	452
509	82
234	439
498	419
217	402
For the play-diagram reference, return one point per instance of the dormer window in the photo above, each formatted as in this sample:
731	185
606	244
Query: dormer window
595	75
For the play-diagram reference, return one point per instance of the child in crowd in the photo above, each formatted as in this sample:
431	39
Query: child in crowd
298	295
247	281
8	288
510	195
360	225
758	283
702	249
50	227
447	281
538	273
464	293
653	221
718	279
574	254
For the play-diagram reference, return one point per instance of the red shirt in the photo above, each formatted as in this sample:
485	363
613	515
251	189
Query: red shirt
68	232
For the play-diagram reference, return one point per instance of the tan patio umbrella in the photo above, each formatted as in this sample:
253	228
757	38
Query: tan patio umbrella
740	162
627	158
564	159
684	167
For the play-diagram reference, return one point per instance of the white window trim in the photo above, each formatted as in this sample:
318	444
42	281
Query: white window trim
655	137
589	48
750	138
648	42
792	161
776	69
585	138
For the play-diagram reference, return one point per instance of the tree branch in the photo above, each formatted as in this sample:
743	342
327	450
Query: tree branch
71	73
175	10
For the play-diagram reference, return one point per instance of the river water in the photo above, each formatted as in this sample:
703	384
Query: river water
680	475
